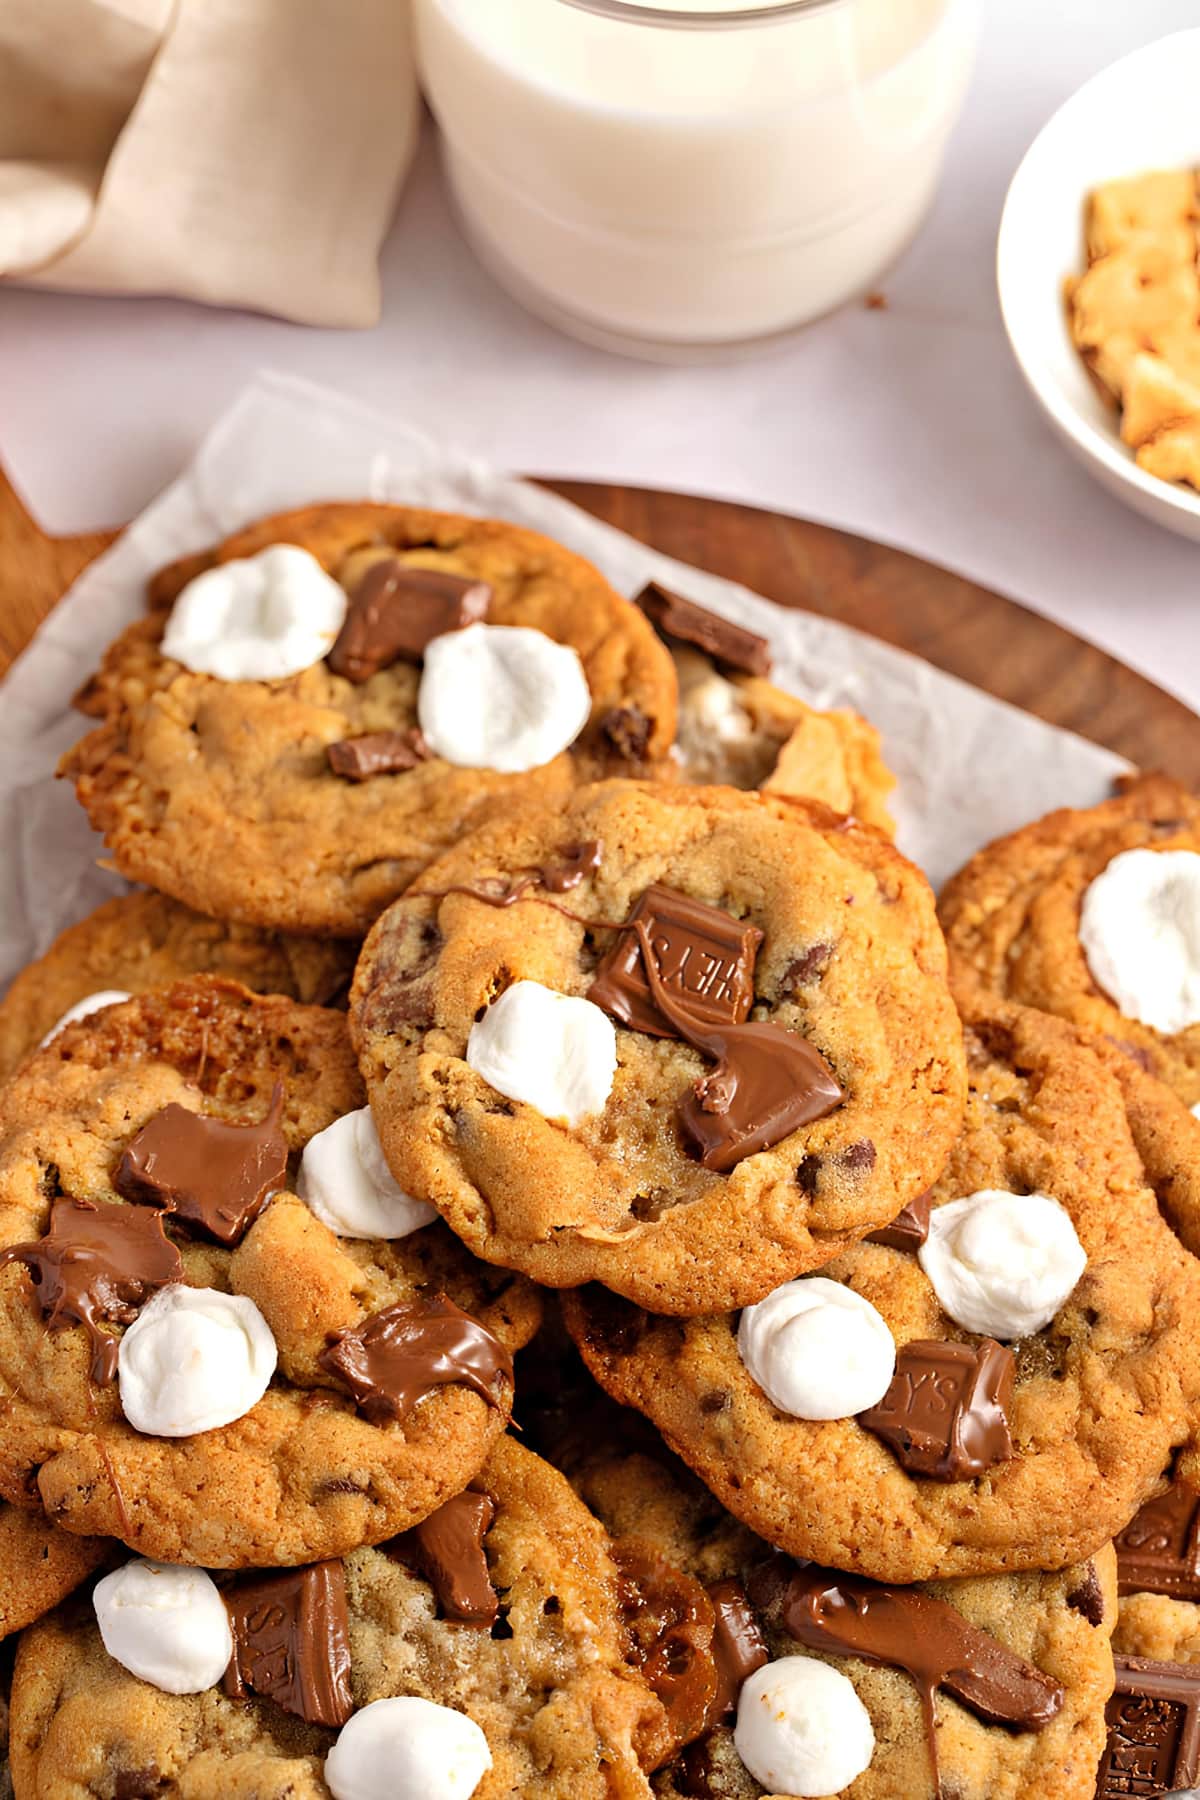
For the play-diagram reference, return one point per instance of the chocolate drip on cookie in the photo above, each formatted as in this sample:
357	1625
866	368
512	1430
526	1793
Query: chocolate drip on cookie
945	1413
397	1356
674	617
573	866
212	1175
767	1082
291	1641
97	1262
738	1645
447	1549
904	1628
396	610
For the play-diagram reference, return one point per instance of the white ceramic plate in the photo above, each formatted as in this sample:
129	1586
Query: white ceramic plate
1139	114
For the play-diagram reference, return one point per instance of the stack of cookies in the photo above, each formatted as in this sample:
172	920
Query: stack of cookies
526	1267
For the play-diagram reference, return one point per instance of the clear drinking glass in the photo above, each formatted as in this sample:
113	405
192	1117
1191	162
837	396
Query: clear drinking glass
679	176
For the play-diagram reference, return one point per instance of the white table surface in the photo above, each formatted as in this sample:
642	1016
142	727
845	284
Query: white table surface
910	425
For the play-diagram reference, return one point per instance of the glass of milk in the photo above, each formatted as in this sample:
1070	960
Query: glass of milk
679	176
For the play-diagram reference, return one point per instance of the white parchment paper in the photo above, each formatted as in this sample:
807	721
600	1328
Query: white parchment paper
969	767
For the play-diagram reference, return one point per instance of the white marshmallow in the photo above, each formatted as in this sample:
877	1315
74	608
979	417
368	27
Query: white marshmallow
802	1729
1002	1264
258	618
1140	930
554	1052
407	1749
346	1183
166	1625
817	1349
83	1009
1196	1110
193	1359
501	697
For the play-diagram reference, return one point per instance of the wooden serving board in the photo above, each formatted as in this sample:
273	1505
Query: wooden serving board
967	630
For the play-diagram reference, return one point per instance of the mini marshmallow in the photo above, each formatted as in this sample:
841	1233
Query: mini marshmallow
802	1729
1002	1264
258	618
193	1359
407	1749
345	1182
556	1053
1139	925
82	1009
166	1625
501	697
817	1349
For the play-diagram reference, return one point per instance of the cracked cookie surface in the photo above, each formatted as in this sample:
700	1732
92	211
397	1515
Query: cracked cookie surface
301	1475
1102	1393
851	960
220	793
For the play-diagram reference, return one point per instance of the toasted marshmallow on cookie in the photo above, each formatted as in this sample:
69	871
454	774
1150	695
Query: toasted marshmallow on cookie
502	697
407	1749
346	1183
548	1049
1002	1264
817	1349
802	1729
1139	925
165	1624
257	618
194	1359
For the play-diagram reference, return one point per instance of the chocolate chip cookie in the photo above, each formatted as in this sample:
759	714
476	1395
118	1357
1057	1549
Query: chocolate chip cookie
1013	919
737	728
1043	1641
144	940
306	803
154	1265
793	1079
545	1675
979	1456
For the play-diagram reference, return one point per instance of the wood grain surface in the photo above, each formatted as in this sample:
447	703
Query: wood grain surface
967	630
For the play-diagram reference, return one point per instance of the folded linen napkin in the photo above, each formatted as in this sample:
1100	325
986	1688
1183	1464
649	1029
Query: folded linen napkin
239	152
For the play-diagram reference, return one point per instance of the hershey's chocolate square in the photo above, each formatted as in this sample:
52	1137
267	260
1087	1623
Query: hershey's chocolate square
733	645
944	1413
377	753
909	1229
1153	1724
1159	1550
291	1641
704	955
396	609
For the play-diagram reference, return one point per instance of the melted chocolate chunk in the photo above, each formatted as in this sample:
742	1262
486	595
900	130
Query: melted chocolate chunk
738	1645
944	1413
1088	1598
447	1549
808	969
704	957
767	1082
670	1622
626	730
139	1784
573	866
377	753
909	1229
94	1263
1159	1551
1153	1724
732	645
214	1176
291	1641
396	610
397	1356
904	1628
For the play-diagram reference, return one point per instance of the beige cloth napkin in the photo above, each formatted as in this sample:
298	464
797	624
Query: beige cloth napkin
240	152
